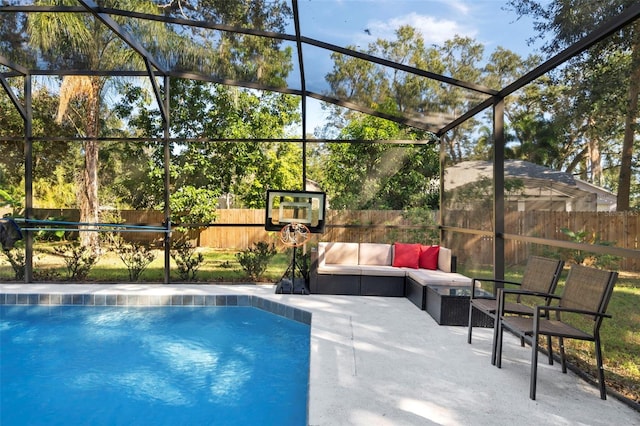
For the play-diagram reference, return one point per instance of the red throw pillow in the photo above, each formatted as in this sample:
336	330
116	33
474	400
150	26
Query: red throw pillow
429	257
406	255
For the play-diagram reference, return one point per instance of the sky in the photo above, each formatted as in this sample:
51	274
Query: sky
345	21
360	22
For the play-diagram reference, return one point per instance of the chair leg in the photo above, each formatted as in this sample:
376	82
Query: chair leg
470	322
534	365
549	344
494	343
563	361
499	331
603	391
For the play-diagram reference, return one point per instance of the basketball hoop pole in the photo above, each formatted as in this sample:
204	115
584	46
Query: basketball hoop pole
297	215
294	265
293	235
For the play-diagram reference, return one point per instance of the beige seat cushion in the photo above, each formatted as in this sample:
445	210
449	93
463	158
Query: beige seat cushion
427	276
338	253
335	269
382	271
374	254
444	259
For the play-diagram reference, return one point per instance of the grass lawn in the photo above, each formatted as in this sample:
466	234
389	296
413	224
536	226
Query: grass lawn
219	266
620	334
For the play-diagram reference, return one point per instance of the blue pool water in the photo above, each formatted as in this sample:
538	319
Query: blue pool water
99	365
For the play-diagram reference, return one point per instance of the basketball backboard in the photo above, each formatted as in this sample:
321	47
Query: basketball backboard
306	207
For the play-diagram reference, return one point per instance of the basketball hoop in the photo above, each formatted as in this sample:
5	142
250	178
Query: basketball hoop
295	215
294	234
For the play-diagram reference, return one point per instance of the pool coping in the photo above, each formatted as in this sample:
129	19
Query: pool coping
144	300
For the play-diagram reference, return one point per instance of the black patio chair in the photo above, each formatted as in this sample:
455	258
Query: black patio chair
540	278
586	294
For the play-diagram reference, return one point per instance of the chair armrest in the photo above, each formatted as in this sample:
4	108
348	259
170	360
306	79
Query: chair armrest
502	292
496	280
498	284
530	293
547	296
571	310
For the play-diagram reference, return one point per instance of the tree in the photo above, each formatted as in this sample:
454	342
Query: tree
280	167
76	40
363	175
53	162
240	171
81	41
460	57
570	20
425	99
374	86
530	133
232	55
593	114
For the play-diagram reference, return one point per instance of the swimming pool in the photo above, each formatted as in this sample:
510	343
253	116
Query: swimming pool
152	365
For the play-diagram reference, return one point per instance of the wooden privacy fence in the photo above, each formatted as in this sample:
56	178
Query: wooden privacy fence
239	229
618	229
357	226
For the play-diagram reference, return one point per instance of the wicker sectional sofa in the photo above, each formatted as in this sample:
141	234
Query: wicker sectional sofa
367	269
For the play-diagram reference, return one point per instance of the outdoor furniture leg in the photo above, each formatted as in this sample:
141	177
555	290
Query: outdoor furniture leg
603	392
534	356
494	344
563	361
470	320
499	331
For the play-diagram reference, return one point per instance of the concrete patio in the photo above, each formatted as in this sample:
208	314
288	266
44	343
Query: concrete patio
381	361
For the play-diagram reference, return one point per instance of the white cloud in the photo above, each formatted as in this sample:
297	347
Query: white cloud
434	30
458	6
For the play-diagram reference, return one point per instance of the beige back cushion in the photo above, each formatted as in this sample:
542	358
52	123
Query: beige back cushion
374	254
444	259
341	254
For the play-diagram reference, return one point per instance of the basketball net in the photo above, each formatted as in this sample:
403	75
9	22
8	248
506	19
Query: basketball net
294	234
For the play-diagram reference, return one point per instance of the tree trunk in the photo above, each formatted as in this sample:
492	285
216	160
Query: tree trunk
88	196
624	180
595	161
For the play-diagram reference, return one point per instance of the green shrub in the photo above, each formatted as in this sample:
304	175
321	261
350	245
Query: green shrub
16	258
46	275
78	259
110	239
425	232
582	257
135	256
51	235
254	260
187	260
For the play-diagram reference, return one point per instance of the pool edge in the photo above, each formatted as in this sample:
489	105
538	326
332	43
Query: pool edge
143	300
